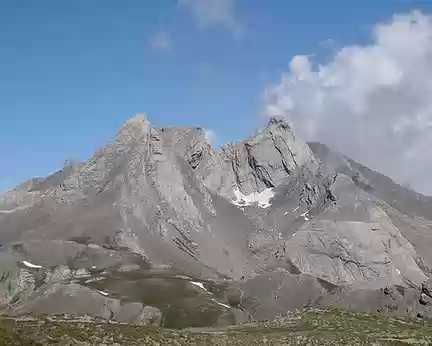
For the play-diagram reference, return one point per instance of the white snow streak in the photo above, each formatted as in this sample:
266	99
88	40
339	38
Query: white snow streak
261	198
296	209
103	293
94	246
93	280
398	271
198	284
222	304
31	265
9	211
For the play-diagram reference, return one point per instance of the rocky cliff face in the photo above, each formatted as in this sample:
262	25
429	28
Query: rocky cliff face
160	220
261	162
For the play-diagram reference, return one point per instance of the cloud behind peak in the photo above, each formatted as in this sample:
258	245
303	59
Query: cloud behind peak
371	102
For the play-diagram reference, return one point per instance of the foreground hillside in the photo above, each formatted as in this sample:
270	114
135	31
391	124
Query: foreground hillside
323	327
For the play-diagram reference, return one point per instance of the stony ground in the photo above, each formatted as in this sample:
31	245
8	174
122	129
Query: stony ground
330	327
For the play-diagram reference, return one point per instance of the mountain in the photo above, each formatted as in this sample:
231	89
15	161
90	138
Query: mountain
157	228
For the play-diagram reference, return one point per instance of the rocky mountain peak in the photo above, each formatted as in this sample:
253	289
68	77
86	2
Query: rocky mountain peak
278	120
260	162
134	129
261	221
140	118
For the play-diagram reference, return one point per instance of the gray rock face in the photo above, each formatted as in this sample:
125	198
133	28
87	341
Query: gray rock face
367	250
158	224
409	211
75	299
427	288
261	162
354	253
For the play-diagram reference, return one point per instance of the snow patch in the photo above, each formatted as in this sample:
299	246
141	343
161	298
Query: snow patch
103	293
94	246
82	272
9	211
162	266
261	198
296	209
93	280
222	304
31	265
198	284
305	215
398	271
286	213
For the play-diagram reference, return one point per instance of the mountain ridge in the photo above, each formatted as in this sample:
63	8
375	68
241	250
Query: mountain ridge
250	231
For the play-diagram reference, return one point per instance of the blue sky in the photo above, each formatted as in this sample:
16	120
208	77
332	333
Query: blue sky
72	71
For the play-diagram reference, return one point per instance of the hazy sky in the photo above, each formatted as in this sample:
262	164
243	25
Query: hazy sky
348	73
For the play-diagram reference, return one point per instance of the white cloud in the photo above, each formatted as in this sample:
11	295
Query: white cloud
161	42
210	136
214	12
372	102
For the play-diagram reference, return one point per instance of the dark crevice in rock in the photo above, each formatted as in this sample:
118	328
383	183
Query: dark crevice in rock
286	146
183	242
182	246
287	170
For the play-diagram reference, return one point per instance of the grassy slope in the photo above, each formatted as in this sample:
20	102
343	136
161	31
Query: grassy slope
301	328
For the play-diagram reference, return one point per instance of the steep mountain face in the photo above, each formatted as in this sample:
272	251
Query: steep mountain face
259	163
158	228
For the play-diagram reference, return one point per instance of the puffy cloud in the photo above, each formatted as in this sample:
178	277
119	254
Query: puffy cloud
161	42
214	12
372	102
210	136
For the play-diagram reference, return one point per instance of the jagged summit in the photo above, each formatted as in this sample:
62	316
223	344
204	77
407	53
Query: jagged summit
134	128
139	121
278	120
260	162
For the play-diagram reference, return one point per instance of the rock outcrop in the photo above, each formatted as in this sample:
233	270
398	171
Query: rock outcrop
261	162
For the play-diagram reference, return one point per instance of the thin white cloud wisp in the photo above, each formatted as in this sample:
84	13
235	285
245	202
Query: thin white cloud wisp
372	103
210	136
214	12
161	42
